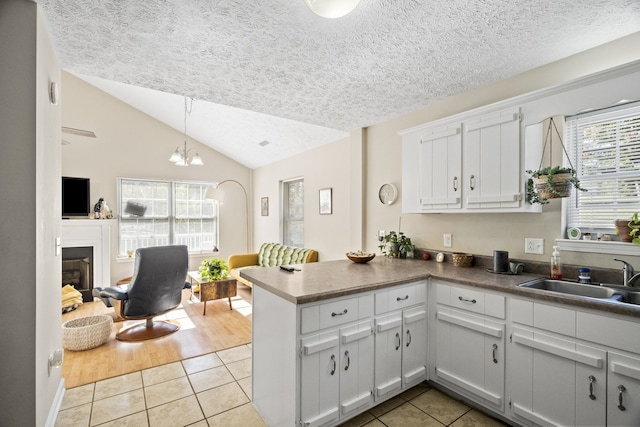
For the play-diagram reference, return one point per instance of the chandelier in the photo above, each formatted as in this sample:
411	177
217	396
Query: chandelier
180	157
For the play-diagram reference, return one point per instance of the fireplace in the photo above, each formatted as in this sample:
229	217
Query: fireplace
77	270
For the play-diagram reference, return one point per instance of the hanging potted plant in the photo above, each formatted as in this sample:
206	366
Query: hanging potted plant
551	182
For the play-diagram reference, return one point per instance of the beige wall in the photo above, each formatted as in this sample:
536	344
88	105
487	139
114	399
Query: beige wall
475	233
482	233
325	167
132	144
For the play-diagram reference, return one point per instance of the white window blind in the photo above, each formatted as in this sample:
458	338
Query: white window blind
175	213
604	146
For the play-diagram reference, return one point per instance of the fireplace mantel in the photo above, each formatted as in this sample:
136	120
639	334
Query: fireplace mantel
97	234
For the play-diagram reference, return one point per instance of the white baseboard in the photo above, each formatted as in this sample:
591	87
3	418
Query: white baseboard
55	405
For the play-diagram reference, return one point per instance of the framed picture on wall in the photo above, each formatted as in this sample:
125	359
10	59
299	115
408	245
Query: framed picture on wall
325	201
264	205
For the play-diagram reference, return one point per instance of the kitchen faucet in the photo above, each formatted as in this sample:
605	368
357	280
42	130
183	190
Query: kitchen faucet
629	275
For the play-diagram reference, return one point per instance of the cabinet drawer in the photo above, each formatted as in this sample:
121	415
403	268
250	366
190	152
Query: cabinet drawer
400	297
471	300
335	313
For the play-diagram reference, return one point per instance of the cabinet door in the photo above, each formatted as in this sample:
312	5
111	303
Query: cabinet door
492	168
470	355
388	354
623	390
319	379
356	367
441	169
414	346
550	377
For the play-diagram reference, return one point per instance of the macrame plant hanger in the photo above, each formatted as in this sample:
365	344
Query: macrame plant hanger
549	138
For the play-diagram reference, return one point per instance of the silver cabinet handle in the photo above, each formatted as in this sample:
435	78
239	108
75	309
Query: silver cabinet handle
621	389
494	353
455	183
333	359
408	337
334	314
592	380
346	354
472	182
472	301
399	340
406	297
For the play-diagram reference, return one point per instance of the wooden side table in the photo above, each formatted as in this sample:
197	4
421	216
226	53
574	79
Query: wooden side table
216	289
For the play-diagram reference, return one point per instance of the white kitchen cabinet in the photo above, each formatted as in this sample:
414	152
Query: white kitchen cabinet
470	336
336	373
440	168
467	165
400	339
556	381
623	391
491	161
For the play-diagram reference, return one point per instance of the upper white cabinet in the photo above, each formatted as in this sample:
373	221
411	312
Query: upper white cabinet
491	161
475	163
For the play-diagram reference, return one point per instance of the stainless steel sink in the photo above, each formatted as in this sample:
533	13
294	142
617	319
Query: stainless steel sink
572	288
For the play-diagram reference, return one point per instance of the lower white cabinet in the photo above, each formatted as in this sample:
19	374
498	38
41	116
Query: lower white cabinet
623	390
469	345
336	373
556	381
564	371
400	339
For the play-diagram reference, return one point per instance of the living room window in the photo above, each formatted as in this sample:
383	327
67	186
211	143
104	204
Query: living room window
293	213
156	213
604	146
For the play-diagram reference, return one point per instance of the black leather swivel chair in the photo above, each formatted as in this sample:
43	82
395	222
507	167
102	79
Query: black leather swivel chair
155	288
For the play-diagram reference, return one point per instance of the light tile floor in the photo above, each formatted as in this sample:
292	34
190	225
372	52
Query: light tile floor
215	389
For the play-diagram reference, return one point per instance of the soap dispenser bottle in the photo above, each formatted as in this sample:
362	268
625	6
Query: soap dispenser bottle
556	267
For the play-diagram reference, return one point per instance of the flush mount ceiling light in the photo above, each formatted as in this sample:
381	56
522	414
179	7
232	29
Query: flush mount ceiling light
332	8
180	157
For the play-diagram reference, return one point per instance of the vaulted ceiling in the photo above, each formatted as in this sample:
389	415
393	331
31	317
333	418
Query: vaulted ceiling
274	71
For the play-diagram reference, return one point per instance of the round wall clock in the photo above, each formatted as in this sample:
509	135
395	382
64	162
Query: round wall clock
388	194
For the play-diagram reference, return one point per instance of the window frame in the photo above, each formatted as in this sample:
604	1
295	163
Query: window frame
287	220
601	175
173	219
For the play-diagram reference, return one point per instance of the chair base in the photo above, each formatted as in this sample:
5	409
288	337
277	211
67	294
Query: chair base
148	330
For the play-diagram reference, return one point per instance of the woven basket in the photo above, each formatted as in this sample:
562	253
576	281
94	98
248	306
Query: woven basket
560	183
85	333
462	260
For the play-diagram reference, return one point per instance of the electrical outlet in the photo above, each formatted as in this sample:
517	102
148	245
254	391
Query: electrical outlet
380	235
446	240
533	246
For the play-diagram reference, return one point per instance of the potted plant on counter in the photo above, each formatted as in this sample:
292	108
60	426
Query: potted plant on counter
396	245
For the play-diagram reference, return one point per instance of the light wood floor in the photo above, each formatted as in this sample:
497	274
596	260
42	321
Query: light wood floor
221	328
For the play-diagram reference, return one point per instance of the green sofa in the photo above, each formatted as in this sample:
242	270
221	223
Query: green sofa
269	255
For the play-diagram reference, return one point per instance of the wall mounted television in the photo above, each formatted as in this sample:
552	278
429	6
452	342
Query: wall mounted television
75	197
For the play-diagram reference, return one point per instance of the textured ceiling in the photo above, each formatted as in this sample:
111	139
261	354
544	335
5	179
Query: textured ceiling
277	58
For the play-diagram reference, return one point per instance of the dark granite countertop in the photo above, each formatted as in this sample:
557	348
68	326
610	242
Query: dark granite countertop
323	280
